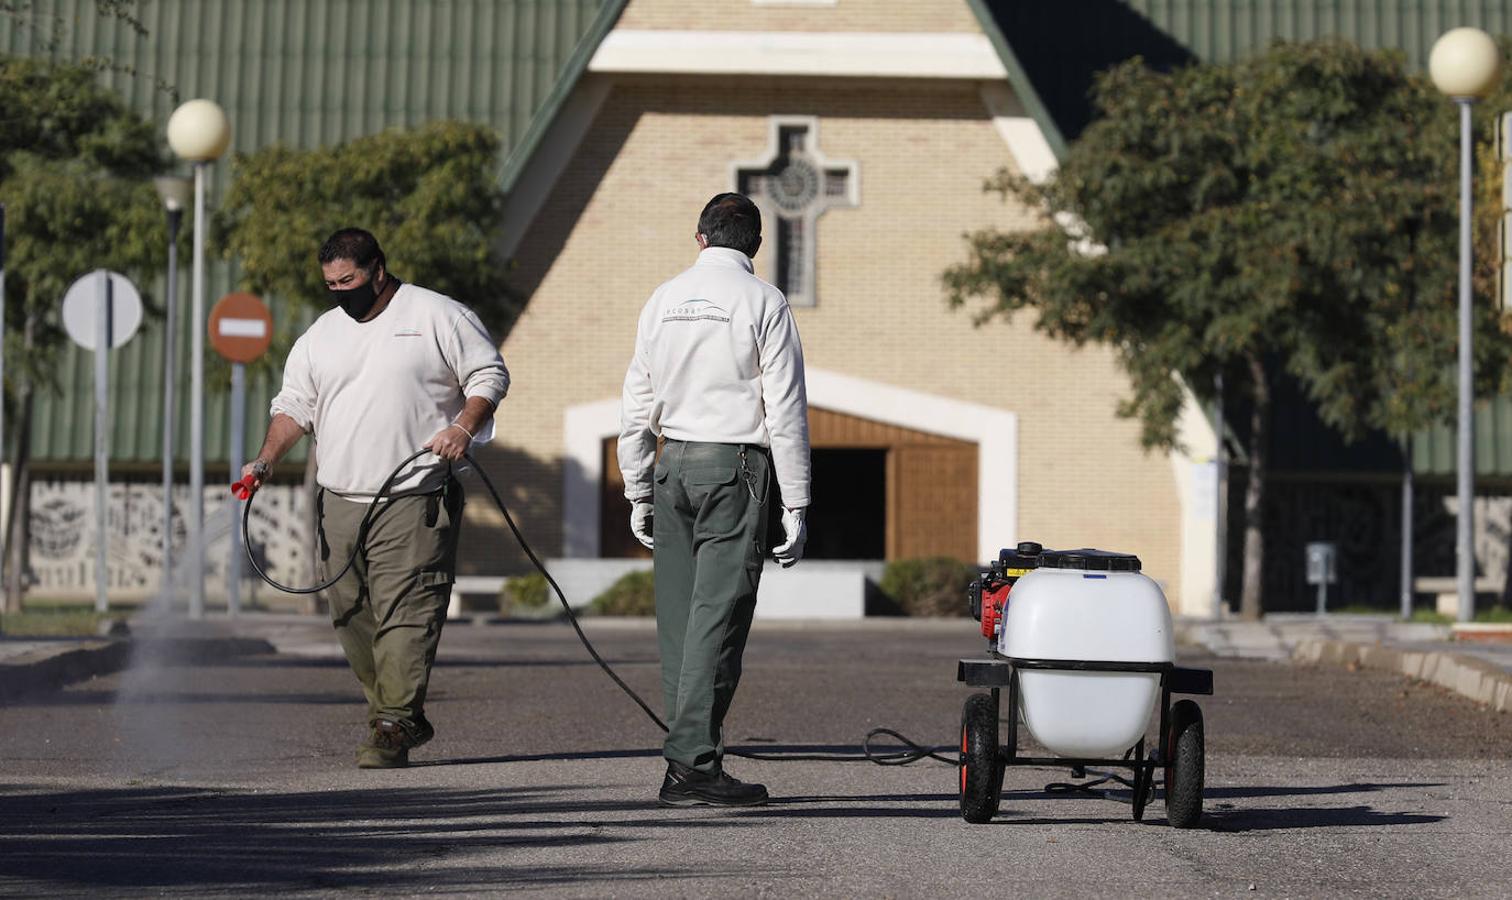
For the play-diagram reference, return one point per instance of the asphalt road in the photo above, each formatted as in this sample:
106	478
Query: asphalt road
235	778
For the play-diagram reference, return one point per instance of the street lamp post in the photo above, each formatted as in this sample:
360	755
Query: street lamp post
1465	63
175	192
198	132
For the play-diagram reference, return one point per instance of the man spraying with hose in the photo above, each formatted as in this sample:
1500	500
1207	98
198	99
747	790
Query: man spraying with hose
392	367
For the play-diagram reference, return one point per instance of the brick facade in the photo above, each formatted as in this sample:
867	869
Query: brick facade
621	220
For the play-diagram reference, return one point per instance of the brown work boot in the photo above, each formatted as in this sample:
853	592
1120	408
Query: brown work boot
387	747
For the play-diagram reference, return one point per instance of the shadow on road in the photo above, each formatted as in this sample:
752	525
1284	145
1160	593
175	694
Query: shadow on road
838	753
335	661
177	698
399	840
1241	820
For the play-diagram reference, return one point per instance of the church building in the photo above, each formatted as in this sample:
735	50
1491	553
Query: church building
864	131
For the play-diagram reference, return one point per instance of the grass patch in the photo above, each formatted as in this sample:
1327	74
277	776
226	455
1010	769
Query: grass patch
1425	616
59	622
1495	615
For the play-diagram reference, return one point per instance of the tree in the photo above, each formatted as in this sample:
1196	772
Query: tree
1292	213
74	164
431	195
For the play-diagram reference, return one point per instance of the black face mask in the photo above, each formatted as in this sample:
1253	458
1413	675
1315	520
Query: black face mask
356	302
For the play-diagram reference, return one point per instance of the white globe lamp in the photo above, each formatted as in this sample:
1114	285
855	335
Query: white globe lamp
198	131
1465	62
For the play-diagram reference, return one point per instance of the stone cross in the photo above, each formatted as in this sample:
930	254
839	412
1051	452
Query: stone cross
793	186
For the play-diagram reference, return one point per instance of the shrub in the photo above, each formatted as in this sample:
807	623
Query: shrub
525	592
634	594
935	586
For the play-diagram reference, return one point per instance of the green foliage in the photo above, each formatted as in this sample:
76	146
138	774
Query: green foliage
634	594
933	586
1425	615
50	28
1294	210
431	196
525	591
74	169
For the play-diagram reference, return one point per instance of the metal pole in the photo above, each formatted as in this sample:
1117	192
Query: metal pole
197	407
102	442
4	513
1464	547
238	437
1407	488
1220	566
170	333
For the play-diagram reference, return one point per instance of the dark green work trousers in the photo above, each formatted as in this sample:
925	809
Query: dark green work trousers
708	530
389	607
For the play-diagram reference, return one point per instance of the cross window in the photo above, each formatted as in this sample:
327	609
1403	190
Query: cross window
793	186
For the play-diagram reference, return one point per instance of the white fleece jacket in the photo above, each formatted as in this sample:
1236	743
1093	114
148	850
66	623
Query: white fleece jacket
374	392
717	358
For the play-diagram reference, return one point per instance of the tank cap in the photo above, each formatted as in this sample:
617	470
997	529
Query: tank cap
1025	555
1089	559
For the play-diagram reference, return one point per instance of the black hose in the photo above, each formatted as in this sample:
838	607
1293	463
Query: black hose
913	754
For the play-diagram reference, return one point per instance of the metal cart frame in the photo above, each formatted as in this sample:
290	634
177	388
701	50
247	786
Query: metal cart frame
1181	731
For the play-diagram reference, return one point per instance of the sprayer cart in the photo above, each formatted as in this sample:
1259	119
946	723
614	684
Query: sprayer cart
1082	643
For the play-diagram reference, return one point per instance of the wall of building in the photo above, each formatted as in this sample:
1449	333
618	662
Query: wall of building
621	220
800	15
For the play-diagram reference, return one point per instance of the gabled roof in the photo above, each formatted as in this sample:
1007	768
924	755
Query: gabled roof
1052	50
305	75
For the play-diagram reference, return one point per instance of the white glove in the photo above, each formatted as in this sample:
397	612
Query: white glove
796	531
640	521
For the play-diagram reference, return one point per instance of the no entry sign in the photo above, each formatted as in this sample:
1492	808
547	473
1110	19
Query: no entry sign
240	327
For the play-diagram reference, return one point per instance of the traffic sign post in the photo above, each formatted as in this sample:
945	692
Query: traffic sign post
241	329
101	311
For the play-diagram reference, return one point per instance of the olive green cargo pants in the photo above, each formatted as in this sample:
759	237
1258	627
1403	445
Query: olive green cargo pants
708	530
389	607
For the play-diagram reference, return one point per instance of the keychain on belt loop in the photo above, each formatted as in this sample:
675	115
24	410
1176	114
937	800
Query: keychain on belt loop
749	477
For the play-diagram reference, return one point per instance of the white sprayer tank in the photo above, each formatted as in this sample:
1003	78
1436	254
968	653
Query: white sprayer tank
1096	606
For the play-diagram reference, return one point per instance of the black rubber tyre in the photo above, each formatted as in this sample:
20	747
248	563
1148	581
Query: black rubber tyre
1184	765
981	771
1144	782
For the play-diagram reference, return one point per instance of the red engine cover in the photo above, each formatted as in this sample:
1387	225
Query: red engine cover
992	609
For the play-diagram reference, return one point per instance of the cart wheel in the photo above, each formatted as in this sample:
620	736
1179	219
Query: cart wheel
1144	784
1184	765
981	770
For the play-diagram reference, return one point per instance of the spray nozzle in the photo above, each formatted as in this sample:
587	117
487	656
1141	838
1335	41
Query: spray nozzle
244	489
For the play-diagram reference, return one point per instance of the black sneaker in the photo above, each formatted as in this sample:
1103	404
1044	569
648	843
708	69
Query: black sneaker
684	786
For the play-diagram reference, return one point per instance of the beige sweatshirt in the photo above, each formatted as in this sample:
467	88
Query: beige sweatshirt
717	358
374	392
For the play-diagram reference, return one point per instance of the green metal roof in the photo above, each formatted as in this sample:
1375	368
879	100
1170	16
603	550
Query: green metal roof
306	73
1052	51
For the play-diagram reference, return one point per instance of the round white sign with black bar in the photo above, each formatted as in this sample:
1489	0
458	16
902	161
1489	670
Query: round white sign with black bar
81	308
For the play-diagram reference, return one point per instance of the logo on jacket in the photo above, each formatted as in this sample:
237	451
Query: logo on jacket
696	310
407	332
